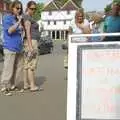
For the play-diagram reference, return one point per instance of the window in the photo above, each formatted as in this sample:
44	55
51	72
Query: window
48	22
64	22
50	13
68	12
54	22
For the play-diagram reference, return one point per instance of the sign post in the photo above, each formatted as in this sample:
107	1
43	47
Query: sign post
93	80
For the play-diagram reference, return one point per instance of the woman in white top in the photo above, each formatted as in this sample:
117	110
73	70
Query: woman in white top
79	25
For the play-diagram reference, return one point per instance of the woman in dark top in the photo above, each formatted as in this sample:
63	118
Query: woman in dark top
31	47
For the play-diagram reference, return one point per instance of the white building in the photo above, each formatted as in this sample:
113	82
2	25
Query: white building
56	19
3	8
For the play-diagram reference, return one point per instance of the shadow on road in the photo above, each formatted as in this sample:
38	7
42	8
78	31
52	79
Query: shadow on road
39	81
0	73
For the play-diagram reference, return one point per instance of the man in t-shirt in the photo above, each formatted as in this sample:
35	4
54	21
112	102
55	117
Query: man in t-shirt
112	23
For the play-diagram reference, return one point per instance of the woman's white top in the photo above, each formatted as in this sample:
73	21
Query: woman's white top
76	29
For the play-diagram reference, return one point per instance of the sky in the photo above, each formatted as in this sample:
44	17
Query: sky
88	5
91	5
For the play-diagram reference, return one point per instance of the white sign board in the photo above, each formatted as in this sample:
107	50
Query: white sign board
93	81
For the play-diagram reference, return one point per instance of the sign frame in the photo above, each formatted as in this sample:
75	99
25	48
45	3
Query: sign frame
73	109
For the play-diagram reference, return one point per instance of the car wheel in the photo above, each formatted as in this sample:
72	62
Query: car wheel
63	47
49	51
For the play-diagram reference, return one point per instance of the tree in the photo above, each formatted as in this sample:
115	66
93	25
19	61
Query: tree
37	14
116	1
107	8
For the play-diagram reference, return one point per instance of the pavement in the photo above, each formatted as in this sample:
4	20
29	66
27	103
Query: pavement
49	104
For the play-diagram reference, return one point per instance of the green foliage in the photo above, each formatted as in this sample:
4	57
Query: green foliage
37	14
107	8
116	1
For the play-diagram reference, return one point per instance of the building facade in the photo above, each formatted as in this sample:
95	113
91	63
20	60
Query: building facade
3	8
56	19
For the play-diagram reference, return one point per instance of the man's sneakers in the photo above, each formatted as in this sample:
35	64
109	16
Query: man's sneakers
3	89
6	92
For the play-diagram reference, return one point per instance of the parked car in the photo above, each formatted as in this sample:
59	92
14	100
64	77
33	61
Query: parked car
64	45
45	45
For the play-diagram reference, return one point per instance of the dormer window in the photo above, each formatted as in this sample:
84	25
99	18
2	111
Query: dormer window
48	22
50	12
64	22
54	22
68	12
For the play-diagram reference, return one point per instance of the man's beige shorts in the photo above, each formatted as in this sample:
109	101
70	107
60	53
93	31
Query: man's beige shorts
32	64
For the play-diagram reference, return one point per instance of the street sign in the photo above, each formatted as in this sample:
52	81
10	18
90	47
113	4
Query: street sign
93	80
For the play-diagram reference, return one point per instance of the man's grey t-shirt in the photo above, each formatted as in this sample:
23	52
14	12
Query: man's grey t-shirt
34	27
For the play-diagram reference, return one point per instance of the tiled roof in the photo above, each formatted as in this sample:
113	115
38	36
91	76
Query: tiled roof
50	6
70	5
57	5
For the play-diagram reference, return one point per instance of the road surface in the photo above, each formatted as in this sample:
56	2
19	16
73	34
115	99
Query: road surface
49	104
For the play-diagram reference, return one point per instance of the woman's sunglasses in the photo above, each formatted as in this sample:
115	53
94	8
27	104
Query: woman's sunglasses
18	8
32	9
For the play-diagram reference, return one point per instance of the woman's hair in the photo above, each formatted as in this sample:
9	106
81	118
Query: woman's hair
79	11
30	3
13	4
96	17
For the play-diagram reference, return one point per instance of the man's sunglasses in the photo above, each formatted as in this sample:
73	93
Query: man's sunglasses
33	9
